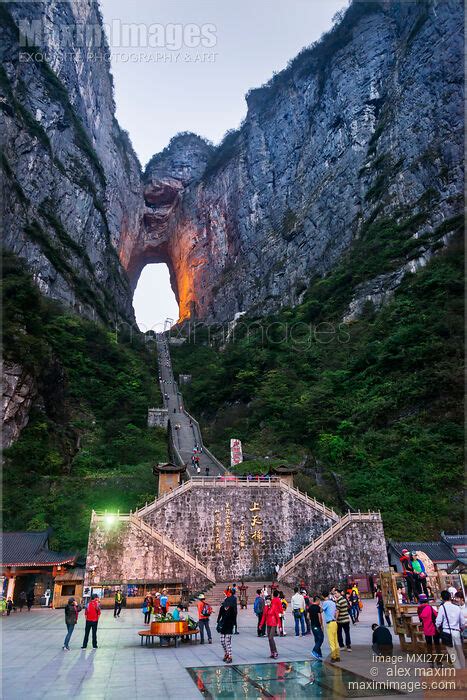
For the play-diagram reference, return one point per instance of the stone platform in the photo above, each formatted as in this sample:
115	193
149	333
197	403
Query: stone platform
228	529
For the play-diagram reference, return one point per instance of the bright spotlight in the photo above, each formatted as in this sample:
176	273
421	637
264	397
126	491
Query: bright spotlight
109	519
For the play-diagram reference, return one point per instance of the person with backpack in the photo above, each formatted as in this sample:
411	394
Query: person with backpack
450	623
92	614
258	607
147	608
72	610
226	621
118	603
204	613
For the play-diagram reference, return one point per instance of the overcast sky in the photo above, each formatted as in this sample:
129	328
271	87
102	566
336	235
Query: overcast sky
189	70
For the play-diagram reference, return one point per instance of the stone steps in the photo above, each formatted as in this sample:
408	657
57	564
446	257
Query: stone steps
215	594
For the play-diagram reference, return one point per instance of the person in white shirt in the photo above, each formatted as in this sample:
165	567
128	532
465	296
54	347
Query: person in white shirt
450	619
452	591
298	609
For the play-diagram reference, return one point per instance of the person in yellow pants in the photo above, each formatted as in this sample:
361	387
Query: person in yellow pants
330	618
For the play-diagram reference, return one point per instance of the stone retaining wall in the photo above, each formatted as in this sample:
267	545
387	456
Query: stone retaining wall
122	552
239	531
360	548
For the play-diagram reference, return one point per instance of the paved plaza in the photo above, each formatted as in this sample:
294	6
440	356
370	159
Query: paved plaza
34	665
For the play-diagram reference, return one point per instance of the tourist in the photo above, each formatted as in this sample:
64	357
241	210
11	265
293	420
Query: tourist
380	606
226	621
381	641
204	613
30	599
330	618
92	614
258	607
419	573
298	610
234	595
450	623
22	600
277	569
156	603
452	591
283	633
164	601
270	620
354	606
243	596
9	606
316	621
460	601
408	573
207	471
176	617
307	611
265	591
198	469
118	603
72	610
343	622
427	615
147	609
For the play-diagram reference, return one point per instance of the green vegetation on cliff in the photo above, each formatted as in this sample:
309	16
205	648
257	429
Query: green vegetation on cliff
86	444
371	409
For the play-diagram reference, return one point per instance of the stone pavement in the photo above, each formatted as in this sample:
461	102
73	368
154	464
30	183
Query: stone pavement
34	665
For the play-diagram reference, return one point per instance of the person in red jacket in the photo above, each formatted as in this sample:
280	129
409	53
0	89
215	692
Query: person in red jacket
271	618
92	614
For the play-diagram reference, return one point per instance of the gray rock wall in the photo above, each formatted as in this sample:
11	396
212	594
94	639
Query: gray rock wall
71	181
359	549
124	554
367	124
217	525
18	392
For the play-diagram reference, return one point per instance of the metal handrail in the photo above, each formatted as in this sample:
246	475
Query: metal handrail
157	502
329	512
325	536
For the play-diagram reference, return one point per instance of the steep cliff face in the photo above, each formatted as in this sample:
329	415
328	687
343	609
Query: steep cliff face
166	235
72	184
363	127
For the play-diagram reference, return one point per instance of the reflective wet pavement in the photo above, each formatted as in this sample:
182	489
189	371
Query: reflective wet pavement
297	679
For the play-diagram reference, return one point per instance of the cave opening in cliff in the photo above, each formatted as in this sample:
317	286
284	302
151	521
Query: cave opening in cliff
154	300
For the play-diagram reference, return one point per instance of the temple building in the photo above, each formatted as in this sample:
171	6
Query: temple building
27	564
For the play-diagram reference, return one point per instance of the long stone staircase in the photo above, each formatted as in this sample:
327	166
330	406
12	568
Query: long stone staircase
215	595
188	433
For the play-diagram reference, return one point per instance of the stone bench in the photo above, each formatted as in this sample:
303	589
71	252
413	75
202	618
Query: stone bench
148	636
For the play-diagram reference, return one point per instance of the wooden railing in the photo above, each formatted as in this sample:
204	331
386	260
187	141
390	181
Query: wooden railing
325	536
170	544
